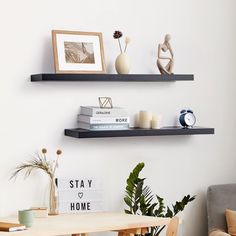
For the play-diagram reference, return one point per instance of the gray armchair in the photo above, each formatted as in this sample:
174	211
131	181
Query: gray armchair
219	197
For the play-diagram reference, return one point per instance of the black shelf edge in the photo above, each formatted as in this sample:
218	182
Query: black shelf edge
132	132
111	77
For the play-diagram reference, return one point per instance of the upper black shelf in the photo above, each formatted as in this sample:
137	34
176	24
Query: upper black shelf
111	77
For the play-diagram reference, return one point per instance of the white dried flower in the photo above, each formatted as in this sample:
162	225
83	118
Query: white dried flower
127	40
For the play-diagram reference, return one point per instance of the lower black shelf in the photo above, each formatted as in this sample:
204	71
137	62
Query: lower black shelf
81	133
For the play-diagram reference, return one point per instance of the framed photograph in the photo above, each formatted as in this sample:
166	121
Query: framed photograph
78	52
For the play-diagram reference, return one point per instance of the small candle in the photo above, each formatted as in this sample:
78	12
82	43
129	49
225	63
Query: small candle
156	122
145	119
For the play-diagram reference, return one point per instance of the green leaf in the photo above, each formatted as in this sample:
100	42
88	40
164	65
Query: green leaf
161	209
134	188
128	201
128	212
169	213
138	191
133	177
150	211
179	206
143	206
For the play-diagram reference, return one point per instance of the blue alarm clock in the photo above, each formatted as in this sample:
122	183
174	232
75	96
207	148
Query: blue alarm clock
187	119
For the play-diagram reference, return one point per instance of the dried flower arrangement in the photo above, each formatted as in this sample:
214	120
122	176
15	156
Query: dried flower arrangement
41	162
117	35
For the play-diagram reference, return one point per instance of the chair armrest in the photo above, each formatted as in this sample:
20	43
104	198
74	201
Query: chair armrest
218	233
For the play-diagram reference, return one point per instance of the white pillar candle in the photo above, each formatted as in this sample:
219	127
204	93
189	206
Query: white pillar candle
145	119
156	120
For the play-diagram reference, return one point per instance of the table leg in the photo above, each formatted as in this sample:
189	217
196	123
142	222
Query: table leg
121	233
144	231
128	232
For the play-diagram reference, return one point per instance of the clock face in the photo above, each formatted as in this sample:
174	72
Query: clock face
189	119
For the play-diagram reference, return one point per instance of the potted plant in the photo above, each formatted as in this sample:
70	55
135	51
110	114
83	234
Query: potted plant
141	201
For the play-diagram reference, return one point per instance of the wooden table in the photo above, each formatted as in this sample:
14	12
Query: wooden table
76	224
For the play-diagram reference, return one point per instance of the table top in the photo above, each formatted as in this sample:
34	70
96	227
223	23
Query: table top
86	223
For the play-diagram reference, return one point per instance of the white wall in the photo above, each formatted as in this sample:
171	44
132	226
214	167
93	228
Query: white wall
34	115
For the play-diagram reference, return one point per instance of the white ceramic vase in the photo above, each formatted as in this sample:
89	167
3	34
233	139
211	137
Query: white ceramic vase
122	64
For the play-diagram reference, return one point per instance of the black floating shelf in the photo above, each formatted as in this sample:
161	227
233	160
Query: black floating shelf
81	133
111	77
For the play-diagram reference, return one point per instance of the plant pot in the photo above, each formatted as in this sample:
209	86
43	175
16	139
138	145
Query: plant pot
122	64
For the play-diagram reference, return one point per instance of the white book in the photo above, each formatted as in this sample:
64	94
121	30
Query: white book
103	120
82	125
102	112
11	227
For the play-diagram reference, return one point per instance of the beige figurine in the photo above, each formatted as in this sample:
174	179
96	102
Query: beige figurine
165	47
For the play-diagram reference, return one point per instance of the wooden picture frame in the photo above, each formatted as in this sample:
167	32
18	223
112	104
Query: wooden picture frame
78	52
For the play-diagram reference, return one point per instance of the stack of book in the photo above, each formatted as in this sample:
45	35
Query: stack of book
96	118
11	227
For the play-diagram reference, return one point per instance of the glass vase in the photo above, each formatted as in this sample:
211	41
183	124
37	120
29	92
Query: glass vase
53	198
